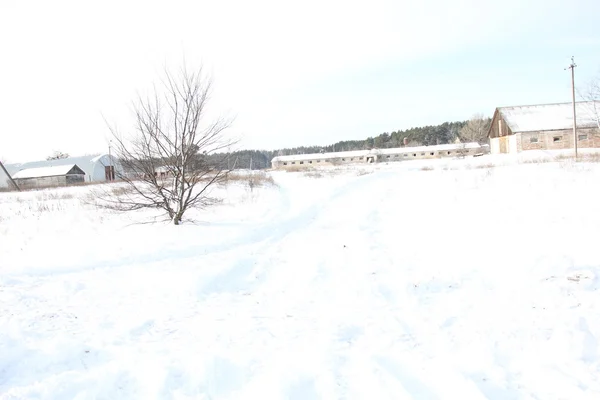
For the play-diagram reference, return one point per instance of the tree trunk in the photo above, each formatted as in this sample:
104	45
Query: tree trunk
177	219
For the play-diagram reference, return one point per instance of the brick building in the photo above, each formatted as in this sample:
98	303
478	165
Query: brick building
544	127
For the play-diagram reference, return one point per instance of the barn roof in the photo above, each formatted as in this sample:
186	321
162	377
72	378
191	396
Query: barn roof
58	170
86	163
549	117
363	153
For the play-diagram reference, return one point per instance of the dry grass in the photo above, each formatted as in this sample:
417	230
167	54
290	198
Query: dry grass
585	157
485	166
538	161
253	180
298	168
313	174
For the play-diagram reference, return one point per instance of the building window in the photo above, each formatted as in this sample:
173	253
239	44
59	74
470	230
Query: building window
343	159
293	162
284	163
310	162
431	153
388	157
405	155
533	139
397	155
422	154
582	137
414	154
557	138
318	160
301	162
449	152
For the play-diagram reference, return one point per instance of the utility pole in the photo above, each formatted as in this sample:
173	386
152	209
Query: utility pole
111	168
572	68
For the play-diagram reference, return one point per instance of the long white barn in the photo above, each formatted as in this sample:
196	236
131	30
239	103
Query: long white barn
379	155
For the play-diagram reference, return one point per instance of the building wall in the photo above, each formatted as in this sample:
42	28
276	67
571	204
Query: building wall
49	181
512	144
558	140
309	162
97	170
495	145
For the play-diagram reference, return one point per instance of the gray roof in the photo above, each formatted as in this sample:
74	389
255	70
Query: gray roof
549	117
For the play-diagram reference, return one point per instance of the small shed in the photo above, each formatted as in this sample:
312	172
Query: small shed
61	175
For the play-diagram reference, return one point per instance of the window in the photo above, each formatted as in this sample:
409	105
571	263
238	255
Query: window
284	163
423	153
301	162
405	155
557	138
388	157
415	154
431	153
318	160
533	139
310	162
396	156
293	162
343	159
449	152
582	137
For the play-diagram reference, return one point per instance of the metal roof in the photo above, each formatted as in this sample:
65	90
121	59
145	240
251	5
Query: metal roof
42	172
86	163
549	117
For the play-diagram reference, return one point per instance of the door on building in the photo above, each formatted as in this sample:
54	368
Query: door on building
109	173
503	144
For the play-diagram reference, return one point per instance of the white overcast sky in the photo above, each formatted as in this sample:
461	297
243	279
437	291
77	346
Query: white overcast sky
292	73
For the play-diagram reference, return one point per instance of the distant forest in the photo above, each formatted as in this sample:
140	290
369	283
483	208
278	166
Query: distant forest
426	135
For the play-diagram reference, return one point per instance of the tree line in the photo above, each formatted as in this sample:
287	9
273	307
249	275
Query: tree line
473	130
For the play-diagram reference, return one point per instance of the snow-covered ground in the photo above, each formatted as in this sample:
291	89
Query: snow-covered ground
416	280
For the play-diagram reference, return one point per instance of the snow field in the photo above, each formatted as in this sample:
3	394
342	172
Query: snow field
378	282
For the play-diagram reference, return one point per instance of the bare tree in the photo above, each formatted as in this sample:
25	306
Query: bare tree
57	155
591	94
167	161
476	129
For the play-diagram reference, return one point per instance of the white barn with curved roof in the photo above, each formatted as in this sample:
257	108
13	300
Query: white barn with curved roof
97	168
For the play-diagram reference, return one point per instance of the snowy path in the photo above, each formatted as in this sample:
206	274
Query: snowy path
355	287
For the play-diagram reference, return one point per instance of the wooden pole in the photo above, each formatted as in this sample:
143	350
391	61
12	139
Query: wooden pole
572	68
